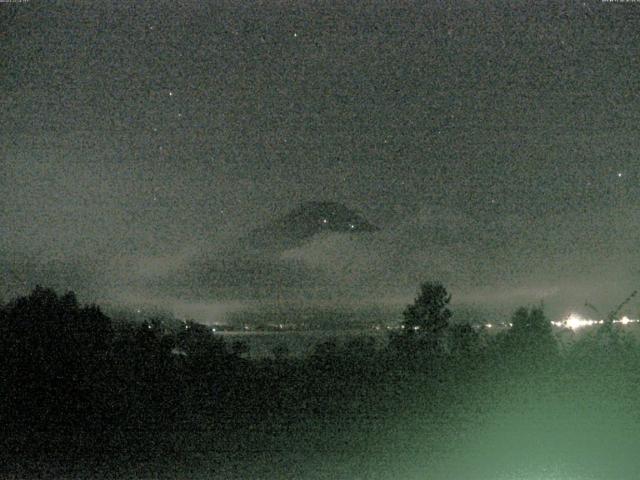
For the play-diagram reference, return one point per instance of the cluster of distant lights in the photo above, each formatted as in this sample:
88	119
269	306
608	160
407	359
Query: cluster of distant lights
326	222
576	322
571	322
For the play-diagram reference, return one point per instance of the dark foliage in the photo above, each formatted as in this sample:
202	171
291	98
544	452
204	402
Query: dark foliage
429	313
77	385
424	325
530	341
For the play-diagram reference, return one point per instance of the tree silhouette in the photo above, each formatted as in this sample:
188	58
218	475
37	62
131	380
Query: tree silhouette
429	313
53	350
531	324
531	336
424	324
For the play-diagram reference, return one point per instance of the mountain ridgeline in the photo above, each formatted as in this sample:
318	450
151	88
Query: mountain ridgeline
302	223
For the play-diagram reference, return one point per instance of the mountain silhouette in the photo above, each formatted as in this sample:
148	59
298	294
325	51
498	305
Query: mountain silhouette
304	222
253	267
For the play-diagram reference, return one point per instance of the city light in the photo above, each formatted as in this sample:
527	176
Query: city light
574	322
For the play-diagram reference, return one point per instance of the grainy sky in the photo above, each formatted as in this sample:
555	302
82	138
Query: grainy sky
496	145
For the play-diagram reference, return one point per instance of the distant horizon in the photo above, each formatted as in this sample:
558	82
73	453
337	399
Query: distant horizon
492	149
331	314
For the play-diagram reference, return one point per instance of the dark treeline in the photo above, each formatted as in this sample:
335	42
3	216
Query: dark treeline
79	387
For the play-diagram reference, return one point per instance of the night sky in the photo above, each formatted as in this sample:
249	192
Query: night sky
495	145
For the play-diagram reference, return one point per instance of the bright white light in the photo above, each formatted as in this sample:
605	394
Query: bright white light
575	321
626	320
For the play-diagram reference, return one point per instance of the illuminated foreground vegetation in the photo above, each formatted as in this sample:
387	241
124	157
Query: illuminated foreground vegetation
86	396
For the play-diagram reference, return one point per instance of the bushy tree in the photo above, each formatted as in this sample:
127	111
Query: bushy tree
532	325
531	336
51	350
429	313
424	324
